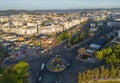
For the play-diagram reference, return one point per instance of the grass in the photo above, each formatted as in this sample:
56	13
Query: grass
106	82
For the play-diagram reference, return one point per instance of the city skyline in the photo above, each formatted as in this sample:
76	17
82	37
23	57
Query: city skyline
58	4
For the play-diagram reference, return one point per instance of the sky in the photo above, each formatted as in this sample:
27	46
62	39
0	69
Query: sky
57	4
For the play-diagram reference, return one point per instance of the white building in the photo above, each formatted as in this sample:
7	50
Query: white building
94	46
100	24
92	25
93	29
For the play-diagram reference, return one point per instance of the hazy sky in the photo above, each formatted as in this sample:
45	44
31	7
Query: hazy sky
58	4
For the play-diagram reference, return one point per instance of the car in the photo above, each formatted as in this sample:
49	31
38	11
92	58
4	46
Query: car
40	78
43	50
42	66
50	52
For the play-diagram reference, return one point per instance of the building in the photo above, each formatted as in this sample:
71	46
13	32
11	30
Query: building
92	25
113	24
94	46
93	29
100	24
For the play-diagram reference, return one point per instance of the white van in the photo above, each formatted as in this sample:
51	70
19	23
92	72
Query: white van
42	66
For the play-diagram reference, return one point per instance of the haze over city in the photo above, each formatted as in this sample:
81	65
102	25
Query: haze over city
57	4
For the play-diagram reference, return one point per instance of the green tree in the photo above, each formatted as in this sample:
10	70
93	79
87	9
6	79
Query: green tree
5	78
106	73
79	77
99	55
88	75
92	74
102	72
96	73
110	54
19	72
113	72
118	73
44	22
83	77
82	36
77	39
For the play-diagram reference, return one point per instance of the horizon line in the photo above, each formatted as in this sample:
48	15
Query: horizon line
60	9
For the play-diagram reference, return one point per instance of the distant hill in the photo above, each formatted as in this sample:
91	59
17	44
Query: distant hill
10	12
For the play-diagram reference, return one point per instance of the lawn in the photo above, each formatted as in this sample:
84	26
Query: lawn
106	82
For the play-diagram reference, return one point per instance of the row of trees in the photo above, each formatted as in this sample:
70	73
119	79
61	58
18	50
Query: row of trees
110	54
64	35
16	74
98	73
68	34
76	39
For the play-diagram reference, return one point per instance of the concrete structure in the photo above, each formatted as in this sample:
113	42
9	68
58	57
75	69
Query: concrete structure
94	46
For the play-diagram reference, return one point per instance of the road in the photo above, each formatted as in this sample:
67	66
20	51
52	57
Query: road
69	55
67	76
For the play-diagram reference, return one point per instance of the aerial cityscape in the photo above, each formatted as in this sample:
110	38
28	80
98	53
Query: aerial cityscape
60	41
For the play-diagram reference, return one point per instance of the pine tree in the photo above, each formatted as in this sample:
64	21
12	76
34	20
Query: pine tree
102	72
88	75
106	73
92	74
83	77
113	72
79	77
96	73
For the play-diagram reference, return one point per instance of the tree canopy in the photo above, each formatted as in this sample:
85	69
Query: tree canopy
110	54
16	74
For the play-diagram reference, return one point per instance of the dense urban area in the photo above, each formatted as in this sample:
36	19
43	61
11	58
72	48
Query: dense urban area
69	46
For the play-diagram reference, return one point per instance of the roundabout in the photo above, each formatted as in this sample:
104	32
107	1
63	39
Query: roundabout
56	64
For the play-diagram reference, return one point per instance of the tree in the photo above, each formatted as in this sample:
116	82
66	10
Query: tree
118	73
96	73
61	37
92	74
70	39
88	75
110	55
5	78
102	72
44	22
82	51
79	77
99	55
83	77
76	39
106	73
82	35
113	72
19	72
